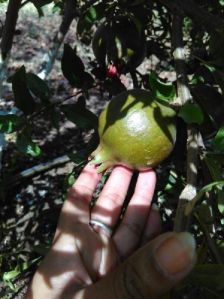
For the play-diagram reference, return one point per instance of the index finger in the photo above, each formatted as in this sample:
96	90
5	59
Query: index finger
80	194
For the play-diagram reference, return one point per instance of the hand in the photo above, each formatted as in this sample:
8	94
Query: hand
92	261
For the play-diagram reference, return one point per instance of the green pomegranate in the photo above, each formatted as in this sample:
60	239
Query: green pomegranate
119	41
135	130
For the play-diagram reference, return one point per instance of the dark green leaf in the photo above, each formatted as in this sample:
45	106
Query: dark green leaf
217	75
10	123
191	113
211	101
88	81
26	146
38	86
216	49
218	141
161	90
114	86
215	168
72	67
23	98
93	14
80	116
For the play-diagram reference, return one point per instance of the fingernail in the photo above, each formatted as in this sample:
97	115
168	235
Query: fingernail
176	253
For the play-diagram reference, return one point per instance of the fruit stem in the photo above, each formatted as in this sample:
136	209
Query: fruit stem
102	158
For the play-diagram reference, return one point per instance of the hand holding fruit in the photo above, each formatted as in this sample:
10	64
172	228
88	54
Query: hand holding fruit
101	261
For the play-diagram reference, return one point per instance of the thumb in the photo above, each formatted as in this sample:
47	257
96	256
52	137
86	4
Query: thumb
150	272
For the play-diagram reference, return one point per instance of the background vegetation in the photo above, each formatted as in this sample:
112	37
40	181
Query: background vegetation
52	89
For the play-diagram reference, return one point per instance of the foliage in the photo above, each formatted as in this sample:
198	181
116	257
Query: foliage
204	71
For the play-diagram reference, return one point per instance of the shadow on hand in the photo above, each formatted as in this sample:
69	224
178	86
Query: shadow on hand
73	261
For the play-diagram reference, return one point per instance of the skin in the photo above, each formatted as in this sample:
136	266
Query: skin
85	262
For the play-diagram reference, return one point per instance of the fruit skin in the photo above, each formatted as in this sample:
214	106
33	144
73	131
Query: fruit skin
135	130
120	42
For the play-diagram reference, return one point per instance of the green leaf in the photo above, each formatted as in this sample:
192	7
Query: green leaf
215	168
69	181
21	267
80	116
86	20
218	75
218	141
26	146
88	81
10	123
191	113
216	45
72	67
161	90
211	101
114	86
23	98
207	188
38	87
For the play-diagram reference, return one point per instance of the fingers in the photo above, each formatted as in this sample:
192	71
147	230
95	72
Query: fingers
150	272
76	207
136	214
108	206
153	226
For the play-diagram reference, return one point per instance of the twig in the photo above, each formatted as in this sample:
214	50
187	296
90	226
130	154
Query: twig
181	221
210	241
24	3
183	91
37	169
87	5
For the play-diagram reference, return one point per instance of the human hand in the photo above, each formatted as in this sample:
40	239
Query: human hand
87	261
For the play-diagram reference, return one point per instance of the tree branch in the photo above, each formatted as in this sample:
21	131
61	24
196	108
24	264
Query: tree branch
9	27
37	169
181	221
199	15
70	11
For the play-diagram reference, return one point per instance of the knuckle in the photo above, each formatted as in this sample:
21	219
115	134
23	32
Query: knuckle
113	197
80	192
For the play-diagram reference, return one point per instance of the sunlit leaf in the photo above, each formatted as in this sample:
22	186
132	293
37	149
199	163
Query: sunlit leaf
161	90
10	123
26	146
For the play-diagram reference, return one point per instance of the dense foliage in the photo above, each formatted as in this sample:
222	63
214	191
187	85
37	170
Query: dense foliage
179	46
